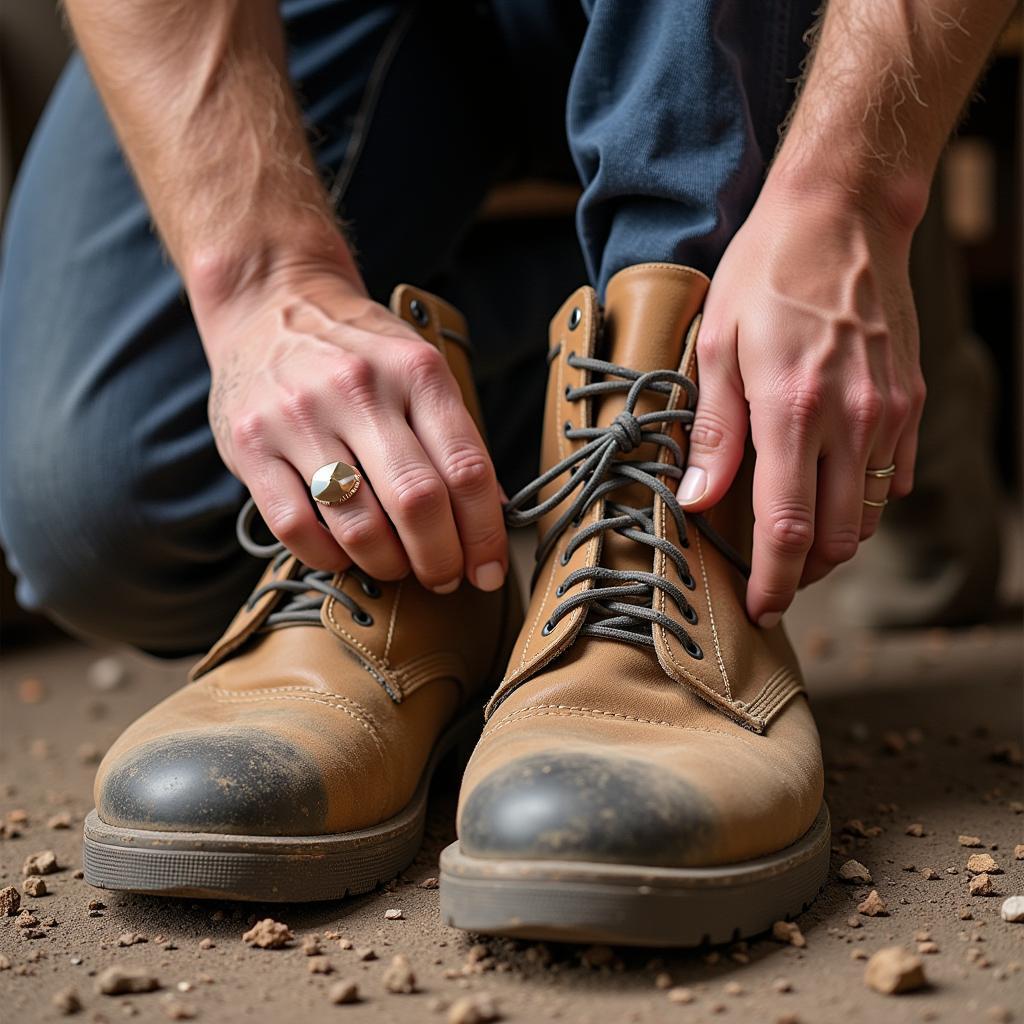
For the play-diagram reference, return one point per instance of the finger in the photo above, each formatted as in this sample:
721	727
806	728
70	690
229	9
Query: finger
283	501
414	497
719	429
838	514
905	454
453	444
785	485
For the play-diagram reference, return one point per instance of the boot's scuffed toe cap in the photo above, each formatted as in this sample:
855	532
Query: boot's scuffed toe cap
577	806
238	782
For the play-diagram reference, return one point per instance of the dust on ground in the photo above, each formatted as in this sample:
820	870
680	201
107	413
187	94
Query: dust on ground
922	739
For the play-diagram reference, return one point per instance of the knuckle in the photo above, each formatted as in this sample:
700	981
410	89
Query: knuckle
419	493
286	522
298	407
248	433
900	406
708	433
422	361
468	470
805	404
489	538
353	378
356	532
791	531
865	410
840	546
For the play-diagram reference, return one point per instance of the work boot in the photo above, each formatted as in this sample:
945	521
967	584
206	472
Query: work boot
650	772
295	764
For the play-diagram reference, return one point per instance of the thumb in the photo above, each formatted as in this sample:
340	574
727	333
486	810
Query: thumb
719	429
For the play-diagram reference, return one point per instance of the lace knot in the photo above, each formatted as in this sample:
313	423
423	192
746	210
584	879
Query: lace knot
626	431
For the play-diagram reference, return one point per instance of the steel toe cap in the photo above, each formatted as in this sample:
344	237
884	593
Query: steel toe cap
230	780
582	806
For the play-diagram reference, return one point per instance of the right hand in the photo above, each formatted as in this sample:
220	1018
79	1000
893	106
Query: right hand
306	370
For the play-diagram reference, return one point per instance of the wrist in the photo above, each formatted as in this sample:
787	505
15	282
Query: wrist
895	202
240	268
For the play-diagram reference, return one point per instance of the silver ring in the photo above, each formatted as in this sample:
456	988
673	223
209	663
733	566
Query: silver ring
335	483
875	504
882	474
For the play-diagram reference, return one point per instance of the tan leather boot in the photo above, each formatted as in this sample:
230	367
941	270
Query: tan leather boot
295	764
650	771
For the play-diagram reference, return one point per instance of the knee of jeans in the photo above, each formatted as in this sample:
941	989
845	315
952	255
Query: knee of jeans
83	553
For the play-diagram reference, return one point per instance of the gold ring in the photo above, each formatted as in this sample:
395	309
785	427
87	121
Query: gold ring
882	474
875	504
335	483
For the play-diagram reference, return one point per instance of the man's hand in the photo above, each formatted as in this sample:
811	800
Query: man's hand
810	319
307	370
809	333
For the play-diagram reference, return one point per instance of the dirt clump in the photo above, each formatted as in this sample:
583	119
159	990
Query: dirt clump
268	934
66	1001
475	1009
893	970
119	981
10	901
400	977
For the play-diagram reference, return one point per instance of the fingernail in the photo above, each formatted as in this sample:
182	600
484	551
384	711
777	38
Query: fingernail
770	620
449	587
490	576
693	485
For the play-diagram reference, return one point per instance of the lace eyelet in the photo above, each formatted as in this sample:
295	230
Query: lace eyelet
575	317
690	615
563	558
361	618
370	589
546	628
566	427
692	648
560	590
567	392
689	582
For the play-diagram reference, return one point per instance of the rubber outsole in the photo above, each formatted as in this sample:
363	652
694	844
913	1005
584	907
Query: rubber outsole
633	905
277	869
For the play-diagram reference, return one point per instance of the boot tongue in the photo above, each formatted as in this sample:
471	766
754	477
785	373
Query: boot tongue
648	310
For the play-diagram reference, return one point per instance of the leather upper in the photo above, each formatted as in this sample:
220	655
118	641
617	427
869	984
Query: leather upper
721	750
306	728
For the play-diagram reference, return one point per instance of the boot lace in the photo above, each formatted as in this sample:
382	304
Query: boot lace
306	589
620	601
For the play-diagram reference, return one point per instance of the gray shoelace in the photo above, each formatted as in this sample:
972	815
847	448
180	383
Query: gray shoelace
620	602
306	589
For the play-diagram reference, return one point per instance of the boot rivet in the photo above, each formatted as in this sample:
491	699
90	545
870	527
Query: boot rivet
575	317
419	312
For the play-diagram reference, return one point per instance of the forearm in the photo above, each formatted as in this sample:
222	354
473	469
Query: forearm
198	93
886	83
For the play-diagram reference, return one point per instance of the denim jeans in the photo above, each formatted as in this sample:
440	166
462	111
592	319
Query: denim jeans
116	513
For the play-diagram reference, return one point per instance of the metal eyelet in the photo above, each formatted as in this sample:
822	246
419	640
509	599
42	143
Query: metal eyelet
563	558
575	317
566	427
689	582
370	589
692	648
547	627
361	618
690	615
419	312
560	590
567	392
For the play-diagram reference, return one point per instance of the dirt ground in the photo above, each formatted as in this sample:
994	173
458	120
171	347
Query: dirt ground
922	739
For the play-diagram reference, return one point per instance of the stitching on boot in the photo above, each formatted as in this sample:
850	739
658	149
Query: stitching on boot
711	617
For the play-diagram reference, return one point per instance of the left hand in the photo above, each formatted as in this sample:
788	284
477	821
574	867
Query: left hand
810	323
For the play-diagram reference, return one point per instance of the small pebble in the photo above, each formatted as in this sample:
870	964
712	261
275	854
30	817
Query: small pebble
893	970
855	873
1012	910
343	992
116	981
873	905
399	977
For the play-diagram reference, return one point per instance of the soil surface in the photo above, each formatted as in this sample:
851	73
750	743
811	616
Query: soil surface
922	740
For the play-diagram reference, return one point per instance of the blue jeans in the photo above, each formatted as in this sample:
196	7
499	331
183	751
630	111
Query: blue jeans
116	512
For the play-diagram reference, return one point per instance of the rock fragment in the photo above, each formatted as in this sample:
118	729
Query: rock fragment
34	886
475	1009
10	901
788	932
393	915
969	841
681	994
400	977
66	1001
42	863
893	970
131	939
117	981
855	873
59	821
319	965
916	829
981	885
106	674
343	992
983	864
1012	910
268	934
873	905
